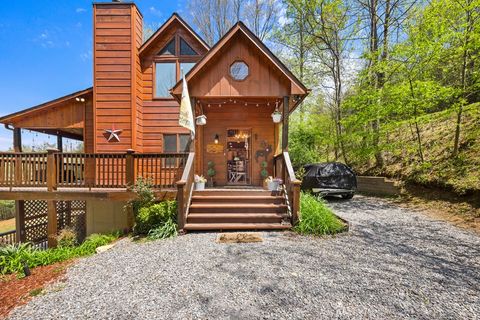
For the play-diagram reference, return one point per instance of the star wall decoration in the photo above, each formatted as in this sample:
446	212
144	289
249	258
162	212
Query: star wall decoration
112	135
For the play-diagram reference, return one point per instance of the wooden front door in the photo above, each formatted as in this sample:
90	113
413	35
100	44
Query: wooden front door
238	156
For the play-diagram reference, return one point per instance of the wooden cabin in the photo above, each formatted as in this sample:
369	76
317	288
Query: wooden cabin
129	124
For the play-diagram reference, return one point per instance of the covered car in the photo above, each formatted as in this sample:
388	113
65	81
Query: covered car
330	178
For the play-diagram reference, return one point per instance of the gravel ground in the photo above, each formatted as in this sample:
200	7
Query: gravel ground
393	264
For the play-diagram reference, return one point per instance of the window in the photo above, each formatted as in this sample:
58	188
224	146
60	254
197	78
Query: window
185	67
185	49
175	143
239	70
165	78
169	49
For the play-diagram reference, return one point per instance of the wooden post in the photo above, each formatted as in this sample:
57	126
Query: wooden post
17	140
181	205
51	170
52	224
20	220
296	201
60	143
130	169
285	123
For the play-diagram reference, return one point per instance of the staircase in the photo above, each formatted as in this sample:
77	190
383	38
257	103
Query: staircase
231	209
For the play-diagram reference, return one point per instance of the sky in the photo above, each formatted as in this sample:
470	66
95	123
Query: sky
46	51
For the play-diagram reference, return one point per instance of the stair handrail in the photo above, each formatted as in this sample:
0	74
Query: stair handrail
283	167
185	191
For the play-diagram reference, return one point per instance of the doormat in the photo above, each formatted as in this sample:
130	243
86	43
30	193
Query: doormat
239	237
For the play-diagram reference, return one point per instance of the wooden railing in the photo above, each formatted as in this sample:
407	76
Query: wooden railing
283	169
185	190
7	238
89	170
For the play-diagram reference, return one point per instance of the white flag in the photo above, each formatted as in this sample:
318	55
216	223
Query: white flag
186	119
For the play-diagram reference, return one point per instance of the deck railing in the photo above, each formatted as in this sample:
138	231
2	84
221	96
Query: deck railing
7	238
283	168
89	170
185	190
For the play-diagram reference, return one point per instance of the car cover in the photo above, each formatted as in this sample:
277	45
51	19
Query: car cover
329	175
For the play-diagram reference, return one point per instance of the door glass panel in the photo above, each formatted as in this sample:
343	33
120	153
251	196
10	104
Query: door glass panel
238	156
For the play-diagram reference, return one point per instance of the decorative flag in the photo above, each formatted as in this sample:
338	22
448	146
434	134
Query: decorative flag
186	115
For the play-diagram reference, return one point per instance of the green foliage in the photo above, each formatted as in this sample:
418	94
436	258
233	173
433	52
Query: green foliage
211	172
13	257
263	171
7	209
145	197
316	218
167	230
67	238
155	216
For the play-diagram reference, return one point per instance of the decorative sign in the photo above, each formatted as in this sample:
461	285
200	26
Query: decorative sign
112	135
214	148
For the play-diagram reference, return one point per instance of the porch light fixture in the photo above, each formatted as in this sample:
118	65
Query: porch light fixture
216	138
201	120
276	115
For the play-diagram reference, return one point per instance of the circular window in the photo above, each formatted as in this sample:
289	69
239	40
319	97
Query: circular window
239	70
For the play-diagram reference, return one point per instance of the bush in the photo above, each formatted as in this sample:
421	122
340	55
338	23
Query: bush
13	257
167	230
155	216
67	238
316	218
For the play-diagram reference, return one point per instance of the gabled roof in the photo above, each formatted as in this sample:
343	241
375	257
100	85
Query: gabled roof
158	33
240	27
6	119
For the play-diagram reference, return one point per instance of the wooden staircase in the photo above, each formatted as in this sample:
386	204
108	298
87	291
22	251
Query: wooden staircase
232	209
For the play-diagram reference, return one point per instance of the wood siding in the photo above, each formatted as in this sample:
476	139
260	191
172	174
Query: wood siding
117	37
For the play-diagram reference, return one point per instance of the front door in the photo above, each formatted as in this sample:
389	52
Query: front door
238	156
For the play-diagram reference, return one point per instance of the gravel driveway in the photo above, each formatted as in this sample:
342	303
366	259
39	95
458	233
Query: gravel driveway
393	264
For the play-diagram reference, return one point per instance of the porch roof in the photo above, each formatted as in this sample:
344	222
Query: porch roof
63	116
296	86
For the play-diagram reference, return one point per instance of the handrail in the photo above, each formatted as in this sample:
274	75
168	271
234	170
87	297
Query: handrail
283	168
185	190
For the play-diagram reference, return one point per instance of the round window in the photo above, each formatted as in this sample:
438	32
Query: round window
239	70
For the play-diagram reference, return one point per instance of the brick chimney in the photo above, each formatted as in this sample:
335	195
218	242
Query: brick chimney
117	87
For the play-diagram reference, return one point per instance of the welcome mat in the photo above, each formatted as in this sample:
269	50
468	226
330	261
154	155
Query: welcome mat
239	237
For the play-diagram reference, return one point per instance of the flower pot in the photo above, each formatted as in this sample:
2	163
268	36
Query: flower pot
273	185
199	186
201	120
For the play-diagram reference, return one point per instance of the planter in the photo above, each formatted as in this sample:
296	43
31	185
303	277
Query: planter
199	186
273	185
201	120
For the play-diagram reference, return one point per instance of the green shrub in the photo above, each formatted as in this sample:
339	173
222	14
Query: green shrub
67	238
167	230
13	257
316	218
154	216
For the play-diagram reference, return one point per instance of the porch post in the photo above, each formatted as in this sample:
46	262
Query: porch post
20	220
60	143
17	139
52	170
52	223
285	123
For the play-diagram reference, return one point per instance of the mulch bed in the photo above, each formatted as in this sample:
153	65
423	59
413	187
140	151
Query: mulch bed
15	292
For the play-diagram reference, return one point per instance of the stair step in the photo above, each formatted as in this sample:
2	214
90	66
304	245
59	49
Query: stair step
236	226
237	207
232	192
236	198
235	218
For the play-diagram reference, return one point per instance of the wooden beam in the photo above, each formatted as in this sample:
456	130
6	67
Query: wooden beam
60	143
285	112
111	195
52	224
20	220
17	139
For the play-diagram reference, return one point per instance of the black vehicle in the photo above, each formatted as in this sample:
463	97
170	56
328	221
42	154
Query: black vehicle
330	178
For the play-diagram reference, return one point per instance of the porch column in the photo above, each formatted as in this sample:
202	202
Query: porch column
17	139
60	143
52	223
285	123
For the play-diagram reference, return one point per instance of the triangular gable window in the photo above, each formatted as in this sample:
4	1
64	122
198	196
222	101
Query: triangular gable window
169	49
185	49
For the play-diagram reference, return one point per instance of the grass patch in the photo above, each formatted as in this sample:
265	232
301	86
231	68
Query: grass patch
7	225
35	292
13	257
316	218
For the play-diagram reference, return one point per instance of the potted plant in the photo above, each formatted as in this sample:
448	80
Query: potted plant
273	183
263	171
199	182
211	172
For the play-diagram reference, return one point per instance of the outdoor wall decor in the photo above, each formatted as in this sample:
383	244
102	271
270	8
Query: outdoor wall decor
214	148
265	150
112	135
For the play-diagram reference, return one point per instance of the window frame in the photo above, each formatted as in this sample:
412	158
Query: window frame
177	135
177	59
